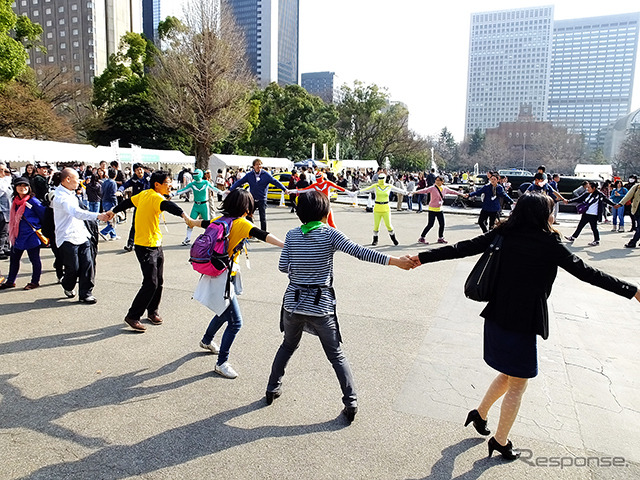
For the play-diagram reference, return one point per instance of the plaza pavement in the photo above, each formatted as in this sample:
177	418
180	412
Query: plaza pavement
84	397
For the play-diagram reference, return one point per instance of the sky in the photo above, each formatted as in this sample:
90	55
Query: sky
416	49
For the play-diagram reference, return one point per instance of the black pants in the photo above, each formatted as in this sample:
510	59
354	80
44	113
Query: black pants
78	265
482	220
261	206
132	232
592	220
432	221
151	261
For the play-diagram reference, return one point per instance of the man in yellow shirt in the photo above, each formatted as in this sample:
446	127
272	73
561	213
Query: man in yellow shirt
149	206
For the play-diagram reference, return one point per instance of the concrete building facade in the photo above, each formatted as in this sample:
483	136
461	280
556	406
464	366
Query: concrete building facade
80	35
322	84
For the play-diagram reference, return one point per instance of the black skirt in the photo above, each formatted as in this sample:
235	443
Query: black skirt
512	353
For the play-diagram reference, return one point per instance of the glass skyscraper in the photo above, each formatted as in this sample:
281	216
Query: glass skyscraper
592	67
150	19
271	29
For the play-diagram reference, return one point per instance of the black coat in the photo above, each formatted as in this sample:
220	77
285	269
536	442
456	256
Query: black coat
528	267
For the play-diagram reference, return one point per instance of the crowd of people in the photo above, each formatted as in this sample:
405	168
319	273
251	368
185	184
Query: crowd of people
61	210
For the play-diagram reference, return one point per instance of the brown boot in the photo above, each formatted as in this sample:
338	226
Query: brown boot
135	324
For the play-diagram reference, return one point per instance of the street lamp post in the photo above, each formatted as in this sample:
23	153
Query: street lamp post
524	148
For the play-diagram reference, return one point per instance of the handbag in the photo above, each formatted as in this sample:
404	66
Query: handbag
582	207
480	282
44	240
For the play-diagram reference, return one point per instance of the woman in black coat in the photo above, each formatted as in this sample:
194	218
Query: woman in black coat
517	310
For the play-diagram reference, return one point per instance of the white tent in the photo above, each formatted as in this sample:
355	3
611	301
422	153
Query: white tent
220	161
373	164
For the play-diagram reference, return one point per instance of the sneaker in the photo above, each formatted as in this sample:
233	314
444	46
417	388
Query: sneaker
569	239
115	237
186	241
422	240
442	240
621	230
211	346
593	244
128	248
225	370
70	293
614	229
626	245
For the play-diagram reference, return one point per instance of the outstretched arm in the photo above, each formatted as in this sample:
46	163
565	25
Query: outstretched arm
333	185
184	189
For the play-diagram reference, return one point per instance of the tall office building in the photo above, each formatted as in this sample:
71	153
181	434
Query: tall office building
509	57
271	29
79	35
575	73
151	16
592	68
322	84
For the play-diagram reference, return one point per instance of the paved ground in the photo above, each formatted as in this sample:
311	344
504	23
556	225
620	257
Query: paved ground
84	397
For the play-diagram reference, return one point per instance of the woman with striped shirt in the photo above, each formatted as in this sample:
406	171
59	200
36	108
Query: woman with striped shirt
309	302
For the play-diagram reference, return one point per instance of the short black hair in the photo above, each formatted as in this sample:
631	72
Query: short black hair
112	173
237	203
539	176
312	206
136	166
543	168
159	176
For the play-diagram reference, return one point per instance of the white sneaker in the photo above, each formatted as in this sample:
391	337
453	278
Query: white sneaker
117	237
186	241
212	347
225	370
69	293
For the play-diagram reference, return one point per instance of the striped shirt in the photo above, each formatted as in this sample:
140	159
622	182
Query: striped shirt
308	261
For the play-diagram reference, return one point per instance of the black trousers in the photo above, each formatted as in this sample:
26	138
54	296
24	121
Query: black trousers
132	232
261	206
78	266
482	220
151	261
432	221
592	220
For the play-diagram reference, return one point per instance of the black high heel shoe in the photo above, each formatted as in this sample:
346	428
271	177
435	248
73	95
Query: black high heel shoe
479	424
507	451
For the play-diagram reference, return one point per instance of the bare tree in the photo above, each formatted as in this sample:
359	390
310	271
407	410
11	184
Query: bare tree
201	81
494	153
558	150
627	160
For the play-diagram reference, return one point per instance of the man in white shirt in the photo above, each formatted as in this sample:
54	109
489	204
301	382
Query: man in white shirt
72	237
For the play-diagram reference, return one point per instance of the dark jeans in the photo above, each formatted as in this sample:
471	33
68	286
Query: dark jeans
482	220
4	235
132	232
233	318
636	236
419	198
329	335
592	220
14	264
432	221
78	266
261	206
151	261
58	262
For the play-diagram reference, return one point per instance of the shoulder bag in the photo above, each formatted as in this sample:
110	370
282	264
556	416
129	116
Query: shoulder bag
480	282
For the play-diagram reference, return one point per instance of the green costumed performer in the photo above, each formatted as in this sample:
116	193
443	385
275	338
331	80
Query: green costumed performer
200	207
381	210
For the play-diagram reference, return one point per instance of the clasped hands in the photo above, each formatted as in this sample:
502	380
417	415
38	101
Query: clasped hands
406	262
106	216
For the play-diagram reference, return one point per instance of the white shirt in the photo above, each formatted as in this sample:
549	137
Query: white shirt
69	217
5	197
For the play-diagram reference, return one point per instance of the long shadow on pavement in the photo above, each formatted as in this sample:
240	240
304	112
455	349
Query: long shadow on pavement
40	415
63	339
177	446
39	304
443	468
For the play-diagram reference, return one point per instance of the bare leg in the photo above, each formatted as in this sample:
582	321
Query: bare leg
510	407
497	388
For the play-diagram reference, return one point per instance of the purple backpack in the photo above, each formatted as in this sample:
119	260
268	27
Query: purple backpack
209	254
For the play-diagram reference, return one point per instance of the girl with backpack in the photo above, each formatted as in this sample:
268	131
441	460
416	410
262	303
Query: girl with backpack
236	207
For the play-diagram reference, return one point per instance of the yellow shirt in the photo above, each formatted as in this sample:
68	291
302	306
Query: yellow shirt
148	212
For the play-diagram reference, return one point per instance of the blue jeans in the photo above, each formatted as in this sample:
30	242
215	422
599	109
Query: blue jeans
109	229
329	335
233	317
419	200
94	207
618	214
14	264
409	201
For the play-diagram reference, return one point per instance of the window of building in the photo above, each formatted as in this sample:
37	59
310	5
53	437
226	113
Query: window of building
77	68
50	59
23	3
36	13
49	23
61	21
74	6
60	9
63	33
74	31
63	45
47	11
74	19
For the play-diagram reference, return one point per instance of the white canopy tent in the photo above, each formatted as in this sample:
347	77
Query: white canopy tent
20	151
373	164
222	162
603	172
